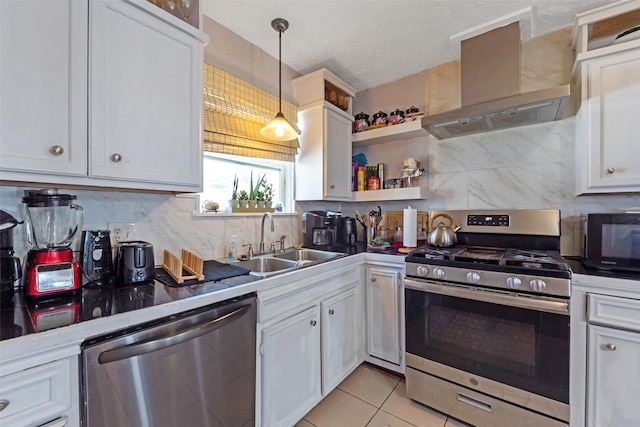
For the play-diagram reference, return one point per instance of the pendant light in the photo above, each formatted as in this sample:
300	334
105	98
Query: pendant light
279	128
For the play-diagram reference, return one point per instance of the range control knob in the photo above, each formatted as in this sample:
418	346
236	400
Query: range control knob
422	271
538	285
473	277
438	273
514	282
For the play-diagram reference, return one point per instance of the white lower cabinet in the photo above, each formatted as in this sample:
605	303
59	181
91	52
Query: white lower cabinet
339	330
291	367
384	287
614	359
45	395
310	341
605	352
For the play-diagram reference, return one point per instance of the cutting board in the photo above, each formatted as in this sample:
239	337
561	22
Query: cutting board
395	219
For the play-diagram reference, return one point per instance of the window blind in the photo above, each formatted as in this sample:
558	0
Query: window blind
234	113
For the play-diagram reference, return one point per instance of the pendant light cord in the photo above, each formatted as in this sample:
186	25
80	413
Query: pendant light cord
280	71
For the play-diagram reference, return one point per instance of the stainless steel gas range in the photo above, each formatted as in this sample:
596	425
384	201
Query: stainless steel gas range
487	321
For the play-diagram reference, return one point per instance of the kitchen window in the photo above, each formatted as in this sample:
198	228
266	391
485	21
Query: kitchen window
220	171
234	113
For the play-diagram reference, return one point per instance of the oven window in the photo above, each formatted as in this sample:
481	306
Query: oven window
520	347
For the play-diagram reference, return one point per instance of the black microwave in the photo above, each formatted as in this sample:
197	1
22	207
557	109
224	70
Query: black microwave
613	241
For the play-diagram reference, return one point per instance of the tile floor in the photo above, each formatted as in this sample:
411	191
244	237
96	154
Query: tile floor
373	398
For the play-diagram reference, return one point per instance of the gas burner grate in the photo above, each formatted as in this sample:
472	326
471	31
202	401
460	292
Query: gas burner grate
480	255
550	260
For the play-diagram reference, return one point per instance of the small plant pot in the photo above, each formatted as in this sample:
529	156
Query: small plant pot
267	204
234	203
262	204
252	204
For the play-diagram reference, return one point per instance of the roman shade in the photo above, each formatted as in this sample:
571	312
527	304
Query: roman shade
234	113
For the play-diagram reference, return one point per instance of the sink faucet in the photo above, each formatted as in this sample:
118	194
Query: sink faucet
266	215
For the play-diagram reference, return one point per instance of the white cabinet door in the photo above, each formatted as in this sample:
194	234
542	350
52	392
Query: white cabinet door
383	289
612	383
39	394
339	319
43	87
290	368
323	163
146	98
607	142
337	174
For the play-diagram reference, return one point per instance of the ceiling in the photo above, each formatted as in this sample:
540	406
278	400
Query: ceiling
370	42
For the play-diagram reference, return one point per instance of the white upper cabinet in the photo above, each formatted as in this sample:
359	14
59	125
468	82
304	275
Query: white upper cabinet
100	93
323	163
606	139
146	98
608	76
43	87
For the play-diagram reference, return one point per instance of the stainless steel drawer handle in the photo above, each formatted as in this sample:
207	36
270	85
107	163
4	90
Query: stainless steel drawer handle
116	157
611	170
158	343
611	347
56	150
3	404
475	402
313	323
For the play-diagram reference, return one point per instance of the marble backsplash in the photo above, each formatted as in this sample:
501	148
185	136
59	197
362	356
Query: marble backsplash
525	168
166	221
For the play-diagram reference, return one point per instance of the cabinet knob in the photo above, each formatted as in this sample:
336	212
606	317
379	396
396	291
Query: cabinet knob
611	347
611	170
313	323
331	311
3	404
373	279
116	157
332	186
56	150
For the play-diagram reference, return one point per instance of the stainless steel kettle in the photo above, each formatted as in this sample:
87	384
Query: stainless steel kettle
443	236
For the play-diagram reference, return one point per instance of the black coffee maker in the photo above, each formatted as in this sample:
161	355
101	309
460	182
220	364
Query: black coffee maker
321	230
349	235
10	270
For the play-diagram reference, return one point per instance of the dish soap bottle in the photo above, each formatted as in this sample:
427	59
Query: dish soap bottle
232	248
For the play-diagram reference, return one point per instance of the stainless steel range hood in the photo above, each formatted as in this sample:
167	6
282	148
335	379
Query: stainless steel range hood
491	98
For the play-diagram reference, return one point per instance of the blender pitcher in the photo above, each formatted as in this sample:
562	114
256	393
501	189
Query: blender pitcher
52	220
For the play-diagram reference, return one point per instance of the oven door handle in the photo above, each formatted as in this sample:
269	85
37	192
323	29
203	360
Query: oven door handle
160	342
549	305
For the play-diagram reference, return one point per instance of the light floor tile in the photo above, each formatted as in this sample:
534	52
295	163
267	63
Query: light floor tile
304	423
340	409
370	384
452	422
401	406
383	419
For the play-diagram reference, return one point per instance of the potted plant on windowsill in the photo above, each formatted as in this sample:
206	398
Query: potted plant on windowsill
243	198
254	190
268	195
234	202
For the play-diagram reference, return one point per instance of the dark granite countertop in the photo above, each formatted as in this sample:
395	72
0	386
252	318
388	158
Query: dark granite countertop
94	300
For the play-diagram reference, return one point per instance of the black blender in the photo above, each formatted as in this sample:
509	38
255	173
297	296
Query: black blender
10	270
52	221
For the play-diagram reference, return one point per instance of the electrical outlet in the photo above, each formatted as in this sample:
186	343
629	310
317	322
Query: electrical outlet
122	231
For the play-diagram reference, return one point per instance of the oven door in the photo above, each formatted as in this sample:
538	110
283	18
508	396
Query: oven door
511	346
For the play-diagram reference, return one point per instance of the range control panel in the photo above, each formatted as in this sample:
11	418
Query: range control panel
488	220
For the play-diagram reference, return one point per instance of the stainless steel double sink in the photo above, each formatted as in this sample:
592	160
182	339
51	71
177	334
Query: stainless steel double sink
265	265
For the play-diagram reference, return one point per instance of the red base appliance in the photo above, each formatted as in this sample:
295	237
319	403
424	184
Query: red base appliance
50	272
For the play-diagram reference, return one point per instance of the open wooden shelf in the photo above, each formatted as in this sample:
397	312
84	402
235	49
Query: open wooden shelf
407	193
399	132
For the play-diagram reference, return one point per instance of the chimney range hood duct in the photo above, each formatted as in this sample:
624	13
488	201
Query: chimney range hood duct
491	98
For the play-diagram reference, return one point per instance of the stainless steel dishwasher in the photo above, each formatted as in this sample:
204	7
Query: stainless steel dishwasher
192	369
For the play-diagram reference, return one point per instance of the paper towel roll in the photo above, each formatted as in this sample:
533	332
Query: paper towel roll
410	228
